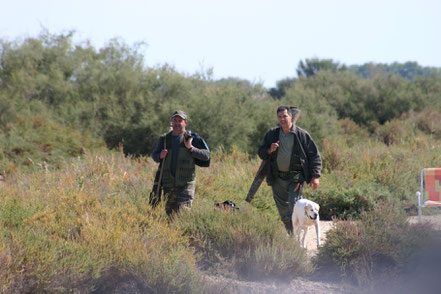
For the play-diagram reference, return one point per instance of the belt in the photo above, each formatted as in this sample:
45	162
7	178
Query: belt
283	174
291	175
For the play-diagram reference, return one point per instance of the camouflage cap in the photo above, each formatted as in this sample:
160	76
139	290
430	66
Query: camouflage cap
180	113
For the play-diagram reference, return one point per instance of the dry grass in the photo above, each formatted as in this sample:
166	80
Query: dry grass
62	230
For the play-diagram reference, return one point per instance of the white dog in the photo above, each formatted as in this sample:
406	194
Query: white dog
305	214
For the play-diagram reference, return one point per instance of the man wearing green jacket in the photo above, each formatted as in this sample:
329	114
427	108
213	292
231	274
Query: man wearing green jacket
293	160
180	153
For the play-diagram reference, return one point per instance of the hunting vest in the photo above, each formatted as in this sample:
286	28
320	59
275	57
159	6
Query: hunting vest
185	166
295	165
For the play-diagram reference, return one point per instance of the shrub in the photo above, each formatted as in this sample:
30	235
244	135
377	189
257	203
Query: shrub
344	204
245	244
378	245
357	175
427	121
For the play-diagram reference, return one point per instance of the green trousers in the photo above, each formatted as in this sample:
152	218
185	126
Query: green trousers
285	197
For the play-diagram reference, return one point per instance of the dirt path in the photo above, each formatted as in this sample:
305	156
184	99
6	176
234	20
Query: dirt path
435	220
311	238
298	286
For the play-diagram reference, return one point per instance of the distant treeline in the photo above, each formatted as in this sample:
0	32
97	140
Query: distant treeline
58	98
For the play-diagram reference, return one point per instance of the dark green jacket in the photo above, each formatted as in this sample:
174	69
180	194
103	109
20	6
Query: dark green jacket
186	161
308	152
185	169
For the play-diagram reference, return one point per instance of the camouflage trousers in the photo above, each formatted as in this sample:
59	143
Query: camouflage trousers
179	197
285	194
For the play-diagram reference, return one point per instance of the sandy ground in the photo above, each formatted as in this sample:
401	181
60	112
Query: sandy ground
435	220
304	285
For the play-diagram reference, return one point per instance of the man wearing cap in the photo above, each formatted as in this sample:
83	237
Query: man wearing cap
183	150
294	159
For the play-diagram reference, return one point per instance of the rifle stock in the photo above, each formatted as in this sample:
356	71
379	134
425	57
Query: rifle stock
258	179
155	194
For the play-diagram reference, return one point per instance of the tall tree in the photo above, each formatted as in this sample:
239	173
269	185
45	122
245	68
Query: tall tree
280	90
408	70
312	66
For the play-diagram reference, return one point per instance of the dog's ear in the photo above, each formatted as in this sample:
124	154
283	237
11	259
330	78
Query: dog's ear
307	207
229	203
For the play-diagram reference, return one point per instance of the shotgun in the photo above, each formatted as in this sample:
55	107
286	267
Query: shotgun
258	179
155	195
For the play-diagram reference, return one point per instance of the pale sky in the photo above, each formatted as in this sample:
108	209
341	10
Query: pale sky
261	41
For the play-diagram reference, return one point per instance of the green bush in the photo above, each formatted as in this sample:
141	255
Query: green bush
368	102
35	140
357	174
346	203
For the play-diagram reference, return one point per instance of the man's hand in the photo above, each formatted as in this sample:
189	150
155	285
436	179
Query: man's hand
315	183
188	143
163	154
273	147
